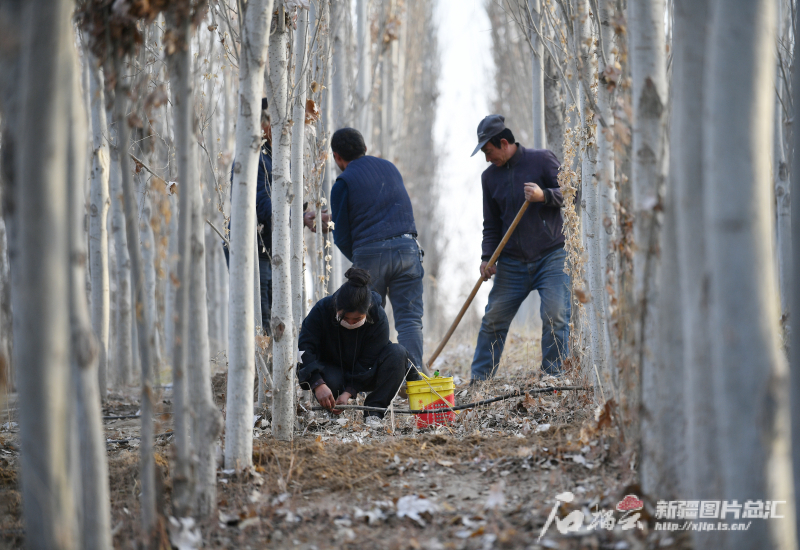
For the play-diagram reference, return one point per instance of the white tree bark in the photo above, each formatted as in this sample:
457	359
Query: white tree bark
207	420
148	246
749	368
388	86
281	321
241	345
586	63
143	321
124	316
648	70
538	135
180	67
780	174
795	295
98	218
606	222
95	513
703	480
298	162
340	80
363	90
41	324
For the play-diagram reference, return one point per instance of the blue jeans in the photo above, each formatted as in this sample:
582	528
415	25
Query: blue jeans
396	269
512	284
265	283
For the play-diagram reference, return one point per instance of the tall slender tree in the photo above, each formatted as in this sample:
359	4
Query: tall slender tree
180	64
98	218
301	65
748	366
42	320
648	71
95	514
282	321
241	344
691	25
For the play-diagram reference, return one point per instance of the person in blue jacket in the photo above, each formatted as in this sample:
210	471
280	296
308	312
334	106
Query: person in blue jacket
373	226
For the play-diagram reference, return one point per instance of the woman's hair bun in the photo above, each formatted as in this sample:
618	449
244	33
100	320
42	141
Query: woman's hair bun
358	277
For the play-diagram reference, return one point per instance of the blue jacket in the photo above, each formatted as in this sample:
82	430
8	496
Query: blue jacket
369	203
263	200
541	228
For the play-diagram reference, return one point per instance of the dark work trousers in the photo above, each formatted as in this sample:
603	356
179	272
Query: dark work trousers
396	269
265	276
386	376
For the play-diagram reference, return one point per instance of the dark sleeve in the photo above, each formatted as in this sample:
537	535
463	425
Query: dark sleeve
492	224
309	343
549	183
264	192
341	219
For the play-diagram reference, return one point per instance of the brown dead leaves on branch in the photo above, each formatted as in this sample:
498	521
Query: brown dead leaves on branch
114	28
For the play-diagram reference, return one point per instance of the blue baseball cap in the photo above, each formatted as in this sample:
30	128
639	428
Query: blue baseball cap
487	129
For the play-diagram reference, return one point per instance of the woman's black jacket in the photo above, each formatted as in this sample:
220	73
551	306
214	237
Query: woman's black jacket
327	344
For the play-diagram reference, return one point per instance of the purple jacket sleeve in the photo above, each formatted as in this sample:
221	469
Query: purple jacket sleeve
492	223
549	183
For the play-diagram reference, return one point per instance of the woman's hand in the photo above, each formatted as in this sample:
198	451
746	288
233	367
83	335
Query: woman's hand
325	396
343	398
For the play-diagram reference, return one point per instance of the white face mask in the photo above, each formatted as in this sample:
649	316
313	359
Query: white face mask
347	325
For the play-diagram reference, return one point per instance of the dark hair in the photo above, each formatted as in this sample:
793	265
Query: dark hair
355	294
506	134
348	143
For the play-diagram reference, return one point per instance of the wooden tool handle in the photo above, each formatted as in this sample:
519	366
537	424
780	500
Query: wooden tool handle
477	286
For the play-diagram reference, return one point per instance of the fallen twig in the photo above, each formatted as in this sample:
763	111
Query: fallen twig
518	393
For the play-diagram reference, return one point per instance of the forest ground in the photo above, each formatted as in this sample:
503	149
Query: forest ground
487	481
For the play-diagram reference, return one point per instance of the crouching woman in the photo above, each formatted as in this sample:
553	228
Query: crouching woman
345	348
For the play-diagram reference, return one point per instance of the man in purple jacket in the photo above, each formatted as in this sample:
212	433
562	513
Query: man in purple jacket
533	258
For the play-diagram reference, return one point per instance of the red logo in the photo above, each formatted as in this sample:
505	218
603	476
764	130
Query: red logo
630	502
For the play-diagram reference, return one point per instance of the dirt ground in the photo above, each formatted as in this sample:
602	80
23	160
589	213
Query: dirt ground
489	480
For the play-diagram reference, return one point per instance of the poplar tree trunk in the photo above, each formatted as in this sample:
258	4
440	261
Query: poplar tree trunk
298	162
340	83
388	85
606	222
363	94
148	247
41	325
538	135
589	191
783	206
143	321
241	345
98	218
124	314
703	481
748	365
180	66
795	294
648	70
281	321
95	513
206	419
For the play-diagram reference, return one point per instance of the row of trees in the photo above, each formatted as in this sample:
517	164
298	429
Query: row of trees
673	120
144	97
